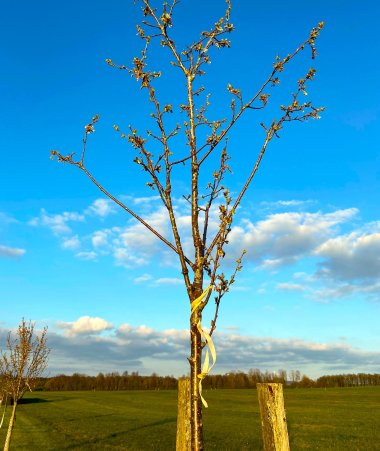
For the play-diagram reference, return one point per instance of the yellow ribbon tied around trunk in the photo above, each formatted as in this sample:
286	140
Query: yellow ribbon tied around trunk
206	368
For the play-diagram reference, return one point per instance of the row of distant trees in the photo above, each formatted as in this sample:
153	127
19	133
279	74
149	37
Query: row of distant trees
238	379
109	381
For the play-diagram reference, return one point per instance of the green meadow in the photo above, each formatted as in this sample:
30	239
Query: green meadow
345	419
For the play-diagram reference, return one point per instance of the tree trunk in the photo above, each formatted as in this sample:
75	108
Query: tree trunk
183	442
195	369
10	426
4	400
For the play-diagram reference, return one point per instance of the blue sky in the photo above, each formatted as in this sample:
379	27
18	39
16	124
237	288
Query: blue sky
308	296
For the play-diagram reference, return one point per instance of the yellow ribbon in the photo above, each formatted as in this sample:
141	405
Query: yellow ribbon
206	368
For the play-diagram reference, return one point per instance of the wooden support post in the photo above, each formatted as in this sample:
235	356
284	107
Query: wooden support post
273	418
183	442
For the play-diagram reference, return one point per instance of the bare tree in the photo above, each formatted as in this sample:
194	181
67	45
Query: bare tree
21	365
3	399
204	138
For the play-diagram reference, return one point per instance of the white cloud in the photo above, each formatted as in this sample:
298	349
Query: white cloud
336	289
86	255
141	331
6	251
285	238
143	278
134	245
56	223
139	237
71	243
125	257
165	281
287	286
140	200
169	281
100	238
301	275
86	325
101	207
287	203
350	257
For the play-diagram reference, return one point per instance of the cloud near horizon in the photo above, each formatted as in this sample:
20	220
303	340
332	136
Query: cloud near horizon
85	325
82	347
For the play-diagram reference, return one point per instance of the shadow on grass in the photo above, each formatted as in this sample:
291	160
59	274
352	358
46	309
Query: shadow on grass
82	444
156	423
32	400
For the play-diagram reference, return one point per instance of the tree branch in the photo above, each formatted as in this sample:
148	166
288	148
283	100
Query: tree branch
68	159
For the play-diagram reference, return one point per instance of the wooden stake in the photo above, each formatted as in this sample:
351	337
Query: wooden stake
273	418
183	442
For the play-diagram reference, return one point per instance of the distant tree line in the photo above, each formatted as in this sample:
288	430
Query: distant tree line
349	380
109	381
235	379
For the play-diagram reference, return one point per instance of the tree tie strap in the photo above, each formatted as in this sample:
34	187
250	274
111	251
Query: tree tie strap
206	368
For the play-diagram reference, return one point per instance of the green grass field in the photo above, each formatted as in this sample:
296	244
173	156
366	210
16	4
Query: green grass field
334	419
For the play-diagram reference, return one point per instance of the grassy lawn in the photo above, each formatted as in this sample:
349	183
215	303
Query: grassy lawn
333	419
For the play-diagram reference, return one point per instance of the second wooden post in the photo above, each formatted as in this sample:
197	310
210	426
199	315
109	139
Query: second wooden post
273	417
